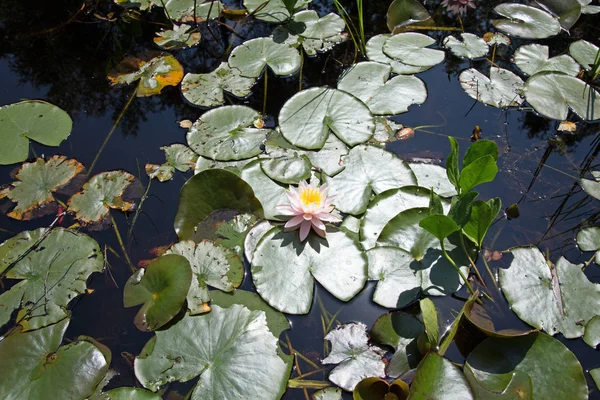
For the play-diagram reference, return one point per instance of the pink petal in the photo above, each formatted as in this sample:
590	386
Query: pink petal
304	229
318	224
307	216
287	209
328	217
294	222
319	232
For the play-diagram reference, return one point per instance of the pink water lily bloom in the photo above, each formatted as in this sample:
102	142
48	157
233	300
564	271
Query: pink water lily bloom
458	6
309	207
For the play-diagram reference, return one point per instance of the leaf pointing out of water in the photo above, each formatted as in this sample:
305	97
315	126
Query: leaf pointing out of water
525	21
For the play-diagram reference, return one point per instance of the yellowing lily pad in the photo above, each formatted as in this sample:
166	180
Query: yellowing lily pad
154	74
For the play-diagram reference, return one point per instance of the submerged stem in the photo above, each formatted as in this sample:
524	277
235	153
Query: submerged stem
300	384
464	247
451	261
120	240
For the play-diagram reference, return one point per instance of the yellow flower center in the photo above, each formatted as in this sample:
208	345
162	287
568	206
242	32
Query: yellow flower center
310	195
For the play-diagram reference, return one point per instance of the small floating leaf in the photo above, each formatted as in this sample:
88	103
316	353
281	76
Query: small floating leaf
493	364
154	74
178	157
180	37
234	338
525	21
211	265
127	393
438	378
557	299
534	58
318	28
227	133
101	193
471	46
502	89
161	287
207	90
284	269
252	56
584	52
356	358
433	177
274	10
312	47
287	169
592	187
592	332
36	120
33	366
208	191
306	119
369	82
328	158
269	193
588	239
496	38
552	94
368	169
375	53
411	48
49	277
183	10
330	393
35	184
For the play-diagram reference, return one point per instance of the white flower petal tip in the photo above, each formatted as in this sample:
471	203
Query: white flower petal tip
309	208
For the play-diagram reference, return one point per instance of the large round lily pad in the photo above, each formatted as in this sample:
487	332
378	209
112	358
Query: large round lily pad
274	10
36	120
471	46
52	267
35	184
269	193
534	58
211	265
525	21
438	378
231	348
494	362
369	82
211	190
33	366
252	56
412	48
552	94
375	53
314	27
368	169
306	119
227	134
555	298
161	287
284	268
502	89
183	10
584	52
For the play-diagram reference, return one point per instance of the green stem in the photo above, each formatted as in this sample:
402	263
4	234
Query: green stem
464	247
120	240
301	384
301	69
451	261
489	270
139	209
264	110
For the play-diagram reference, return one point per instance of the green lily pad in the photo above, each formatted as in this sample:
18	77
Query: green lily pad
471	46
595	374
525	21
584	52
287	169
306	119
400	331
253	237
377	388
154	74
586	8
375	53
51	274
356	358
208	191
406	12
183	10
101	193
162	172
592	332
319	28
234	338
434	177
368	170
274	10
284	269
36	120
386	130
235	167
386	206
534	58
313	47
567	11
496	38
557	299
330	393
412	48
438	378
35	184
141	4
252	56
180	37
588	239
269	193
502	89
33	366
212	265
227	133
232	234
369	82
161	287
179	157
552	94
592	187
329	158
207	90
127	393
494	362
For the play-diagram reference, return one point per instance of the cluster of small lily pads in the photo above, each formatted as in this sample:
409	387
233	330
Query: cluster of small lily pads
415	228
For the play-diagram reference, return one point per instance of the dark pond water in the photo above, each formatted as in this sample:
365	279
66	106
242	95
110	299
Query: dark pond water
60	51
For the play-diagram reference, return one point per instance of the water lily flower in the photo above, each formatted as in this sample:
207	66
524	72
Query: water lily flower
458	6
309	207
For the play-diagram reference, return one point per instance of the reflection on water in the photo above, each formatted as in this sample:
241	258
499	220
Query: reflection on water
61	52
